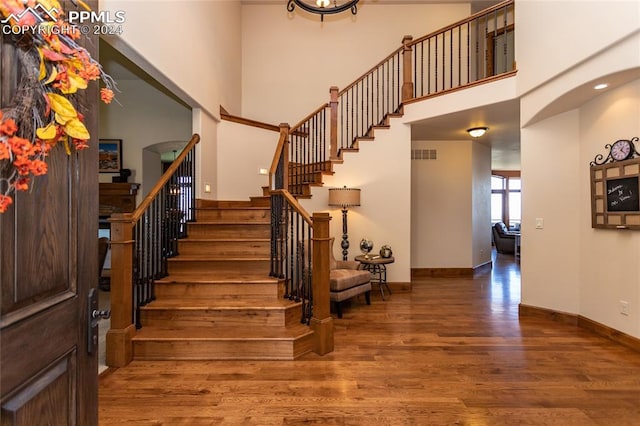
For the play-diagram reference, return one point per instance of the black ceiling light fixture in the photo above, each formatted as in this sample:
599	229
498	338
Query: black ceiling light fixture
323	7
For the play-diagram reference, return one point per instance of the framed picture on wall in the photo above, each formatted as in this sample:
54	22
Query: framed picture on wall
110	155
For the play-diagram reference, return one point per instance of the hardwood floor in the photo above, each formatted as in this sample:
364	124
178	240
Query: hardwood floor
452	352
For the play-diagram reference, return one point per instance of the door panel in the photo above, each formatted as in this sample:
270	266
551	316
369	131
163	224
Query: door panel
48	263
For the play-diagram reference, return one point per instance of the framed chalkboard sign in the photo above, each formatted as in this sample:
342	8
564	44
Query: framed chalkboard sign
622	195
615	188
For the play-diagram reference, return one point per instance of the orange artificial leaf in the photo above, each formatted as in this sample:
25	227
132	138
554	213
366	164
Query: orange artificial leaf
76	129
52	56
47	132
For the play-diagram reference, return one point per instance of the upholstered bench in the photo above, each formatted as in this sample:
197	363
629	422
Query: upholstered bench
347	281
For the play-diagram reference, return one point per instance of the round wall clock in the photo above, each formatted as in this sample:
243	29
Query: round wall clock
621	150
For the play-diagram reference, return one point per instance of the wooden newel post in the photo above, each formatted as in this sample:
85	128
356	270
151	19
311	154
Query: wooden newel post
407	82
119	347
321	321
333	123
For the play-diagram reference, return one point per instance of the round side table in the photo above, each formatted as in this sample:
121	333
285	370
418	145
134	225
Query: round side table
377	265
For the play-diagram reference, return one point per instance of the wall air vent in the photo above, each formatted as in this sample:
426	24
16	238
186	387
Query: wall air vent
424	154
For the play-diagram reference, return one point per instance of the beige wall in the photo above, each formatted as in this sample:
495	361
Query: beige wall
450	213
382	170
144	117
252	149
193	48
442	206
290	61
480	204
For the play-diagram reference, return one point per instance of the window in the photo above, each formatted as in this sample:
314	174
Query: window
506	196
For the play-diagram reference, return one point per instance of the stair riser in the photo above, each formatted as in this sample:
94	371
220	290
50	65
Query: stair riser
211	230
218	291
221	349
216	317
232	214
218	266
224	248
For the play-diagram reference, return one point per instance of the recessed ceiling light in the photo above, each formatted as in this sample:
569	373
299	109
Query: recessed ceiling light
601	86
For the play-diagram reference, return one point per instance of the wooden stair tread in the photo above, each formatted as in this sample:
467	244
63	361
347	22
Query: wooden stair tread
233	208
213	258
251	304
231	222
225	240
219	278
220	332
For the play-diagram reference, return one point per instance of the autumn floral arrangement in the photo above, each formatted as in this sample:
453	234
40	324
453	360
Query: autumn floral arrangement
41	115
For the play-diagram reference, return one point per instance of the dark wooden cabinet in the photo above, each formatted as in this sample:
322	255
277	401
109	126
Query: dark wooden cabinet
117	198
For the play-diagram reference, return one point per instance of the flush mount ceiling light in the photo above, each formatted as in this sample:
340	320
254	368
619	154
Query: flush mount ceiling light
476	132
323	7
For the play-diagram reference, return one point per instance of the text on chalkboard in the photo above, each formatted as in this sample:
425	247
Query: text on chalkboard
622	195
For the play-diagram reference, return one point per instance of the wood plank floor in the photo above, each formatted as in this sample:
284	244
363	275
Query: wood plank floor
452	352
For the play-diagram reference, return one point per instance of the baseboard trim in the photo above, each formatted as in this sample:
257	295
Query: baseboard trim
400	287
582	322
418	273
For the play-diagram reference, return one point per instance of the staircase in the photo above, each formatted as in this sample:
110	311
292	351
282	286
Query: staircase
218	301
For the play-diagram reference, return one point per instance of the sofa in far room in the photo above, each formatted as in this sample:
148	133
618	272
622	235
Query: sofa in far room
503	239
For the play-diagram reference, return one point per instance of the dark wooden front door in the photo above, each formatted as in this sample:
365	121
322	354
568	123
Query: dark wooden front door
48	243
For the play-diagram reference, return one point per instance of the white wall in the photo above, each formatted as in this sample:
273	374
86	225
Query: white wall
554	35
145	116
251	149
290	61
609	259
568	266
550	191
382	170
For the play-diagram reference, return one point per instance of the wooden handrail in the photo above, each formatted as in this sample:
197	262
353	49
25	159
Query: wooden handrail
304	120
248	122
282	142
462	21
293	202
164	179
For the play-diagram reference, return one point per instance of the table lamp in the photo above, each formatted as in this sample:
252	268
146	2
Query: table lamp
344	197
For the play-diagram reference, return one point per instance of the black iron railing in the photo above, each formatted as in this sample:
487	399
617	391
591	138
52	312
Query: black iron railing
367	101
471	50
158	223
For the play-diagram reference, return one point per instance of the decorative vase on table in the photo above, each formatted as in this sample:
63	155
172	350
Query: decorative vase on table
385	251
366	245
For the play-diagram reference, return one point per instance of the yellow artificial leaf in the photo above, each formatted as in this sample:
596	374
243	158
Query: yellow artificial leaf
62	107
43	69
46	133
61	119
77	81
66	146
71	89
76	129
52	76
